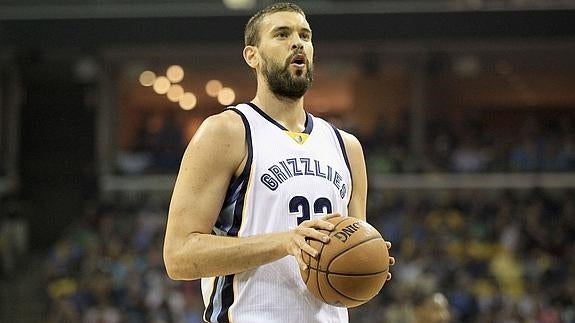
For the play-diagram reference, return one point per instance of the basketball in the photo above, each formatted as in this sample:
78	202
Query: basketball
352	268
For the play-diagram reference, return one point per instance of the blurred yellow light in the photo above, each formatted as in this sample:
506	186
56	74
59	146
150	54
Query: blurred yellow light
213	87
161	85
226	96
175	73
240	4
147	78
175	92
188	101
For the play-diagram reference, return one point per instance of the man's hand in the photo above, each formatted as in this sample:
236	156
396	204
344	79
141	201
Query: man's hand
391	260
296	240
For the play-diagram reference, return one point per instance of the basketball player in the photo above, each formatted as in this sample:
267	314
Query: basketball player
258	179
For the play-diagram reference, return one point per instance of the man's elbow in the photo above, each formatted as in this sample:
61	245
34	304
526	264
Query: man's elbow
176	269
172	271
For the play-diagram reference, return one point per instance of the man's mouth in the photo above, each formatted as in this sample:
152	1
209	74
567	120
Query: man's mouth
298	60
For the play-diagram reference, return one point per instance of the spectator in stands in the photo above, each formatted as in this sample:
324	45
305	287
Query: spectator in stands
162	137
431	308
468	156
13	228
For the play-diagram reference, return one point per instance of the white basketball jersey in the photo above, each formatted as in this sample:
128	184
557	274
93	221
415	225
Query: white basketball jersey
288	178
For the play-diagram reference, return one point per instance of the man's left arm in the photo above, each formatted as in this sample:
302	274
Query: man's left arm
358	204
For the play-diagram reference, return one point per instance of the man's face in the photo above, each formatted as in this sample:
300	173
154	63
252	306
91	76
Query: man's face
286	54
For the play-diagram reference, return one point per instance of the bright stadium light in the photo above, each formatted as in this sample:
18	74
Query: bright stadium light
147	78
161	85
175	73
240	4
188	101
213	87
175	93
226	96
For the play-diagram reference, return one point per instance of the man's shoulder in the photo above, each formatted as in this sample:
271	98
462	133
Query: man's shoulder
227	120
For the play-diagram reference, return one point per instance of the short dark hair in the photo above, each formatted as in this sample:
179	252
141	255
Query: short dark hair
252	30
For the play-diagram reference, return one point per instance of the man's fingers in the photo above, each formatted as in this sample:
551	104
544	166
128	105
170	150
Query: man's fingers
331	215
299	258
305	247
298	253
324	225
317	224
311	229
313	233
320	223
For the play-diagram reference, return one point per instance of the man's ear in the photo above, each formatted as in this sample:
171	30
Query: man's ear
251	56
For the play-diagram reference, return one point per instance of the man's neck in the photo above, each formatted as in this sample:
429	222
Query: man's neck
289	113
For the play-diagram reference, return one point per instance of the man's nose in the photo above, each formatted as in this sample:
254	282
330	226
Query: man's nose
297	43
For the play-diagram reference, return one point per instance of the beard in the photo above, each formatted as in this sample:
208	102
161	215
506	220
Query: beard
282	83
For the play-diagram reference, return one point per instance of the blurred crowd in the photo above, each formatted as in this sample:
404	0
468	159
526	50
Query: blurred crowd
157	147
496	256
536	145
109	269
14	231
486	256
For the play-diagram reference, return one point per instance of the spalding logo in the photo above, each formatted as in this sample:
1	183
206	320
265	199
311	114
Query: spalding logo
346	232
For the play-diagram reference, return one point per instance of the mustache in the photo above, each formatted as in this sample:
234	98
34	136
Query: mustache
290	58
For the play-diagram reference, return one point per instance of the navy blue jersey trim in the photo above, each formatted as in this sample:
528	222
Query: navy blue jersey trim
235	196
237	193
227	298
210	308
308	119
244	176
342	145
308	123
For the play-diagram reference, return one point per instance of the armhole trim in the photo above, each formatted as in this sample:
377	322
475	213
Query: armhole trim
342	146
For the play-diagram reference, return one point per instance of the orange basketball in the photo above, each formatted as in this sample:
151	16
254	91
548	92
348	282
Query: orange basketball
352	268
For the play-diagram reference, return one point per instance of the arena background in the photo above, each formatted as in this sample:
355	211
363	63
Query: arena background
465	109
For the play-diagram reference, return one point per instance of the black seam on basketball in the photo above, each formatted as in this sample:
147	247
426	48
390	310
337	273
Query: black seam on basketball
336	290
308	274
342	294
350	247
317	272
346	296
318	262
349	274
327	272
346	249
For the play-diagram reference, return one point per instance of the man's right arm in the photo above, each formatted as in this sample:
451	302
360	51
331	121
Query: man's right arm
209	164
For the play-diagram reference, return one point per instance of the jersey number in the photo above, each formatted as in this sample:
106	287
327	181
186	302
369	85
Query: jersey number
301	204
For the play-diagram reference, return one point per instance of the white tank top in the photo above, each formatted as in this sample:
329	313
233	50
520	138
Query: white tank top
288	178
